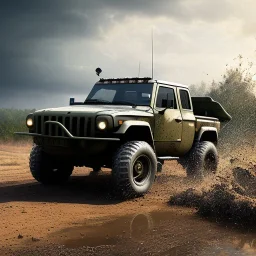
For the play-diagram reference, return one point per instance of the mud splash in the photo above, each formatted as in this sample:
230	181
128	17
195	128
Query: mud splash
230	197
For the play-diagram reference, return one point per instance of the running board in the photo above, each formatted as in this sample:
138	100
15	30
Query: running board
168	158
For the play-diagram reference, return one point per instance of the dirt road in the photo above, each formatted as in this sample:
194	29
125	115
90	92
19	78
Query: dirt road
83	218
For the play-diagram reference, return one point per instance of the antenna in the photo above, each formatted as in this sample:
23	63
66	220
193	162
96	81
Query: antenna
139	70
152	39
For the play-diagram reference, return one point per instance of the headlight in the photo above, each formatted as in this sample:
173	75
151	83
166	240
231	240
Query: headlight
29	121
102	125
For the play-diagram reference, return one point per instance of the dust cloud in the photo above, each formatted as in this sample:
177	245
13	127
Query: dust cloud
230	194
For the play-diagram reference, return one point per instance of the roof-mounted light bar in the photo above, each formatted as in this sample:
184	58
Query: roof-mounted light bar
125	80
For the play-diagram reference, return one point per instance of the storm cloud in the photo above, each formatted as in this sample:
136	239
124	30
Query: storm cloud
50	49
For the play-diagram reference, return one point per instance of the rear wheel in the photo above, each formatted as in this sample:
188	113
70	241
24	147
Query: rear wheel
134	169
45	169
202	160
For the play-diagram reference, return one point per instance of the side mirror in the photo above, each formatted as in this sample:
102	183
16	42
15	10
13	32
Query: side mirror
168	102
161	112
71	101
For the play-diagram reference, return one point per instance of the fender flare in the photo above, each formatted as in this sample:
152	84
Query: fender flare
203	130
134	123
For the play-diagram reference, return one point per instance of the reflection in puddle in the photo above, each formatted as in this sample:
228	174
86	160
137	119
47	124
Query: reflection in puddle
162	233
111	232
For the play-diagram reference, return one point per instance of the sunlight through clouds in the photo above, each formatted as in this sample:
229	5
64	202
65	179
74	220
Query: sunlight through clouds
54	49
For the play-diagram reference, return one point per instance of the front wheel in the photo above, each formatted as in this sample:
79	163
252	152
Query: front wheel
202	160
45	169
134	169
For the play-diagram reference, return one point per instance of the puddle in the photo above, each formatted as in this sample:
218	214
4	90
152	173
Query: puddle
112	232
160	233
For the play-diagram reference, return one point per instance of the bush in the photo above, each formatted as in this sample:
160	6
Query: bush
236	95
13	120
236	92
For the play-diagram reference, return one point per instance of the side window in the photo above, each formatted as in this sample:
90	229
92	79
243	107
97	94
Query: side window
184	98
166	97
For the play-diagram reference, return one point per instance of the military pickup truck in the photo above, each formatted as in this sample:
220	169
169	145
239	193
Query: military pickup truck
130	125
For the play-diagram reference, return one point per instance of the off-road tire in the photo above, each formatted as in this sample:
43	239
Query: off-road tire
202	160
126	161
184	161
43	170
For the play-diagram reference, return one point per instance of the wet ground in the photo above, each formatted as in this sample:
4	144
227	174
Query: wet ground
166	232
82	217
163	232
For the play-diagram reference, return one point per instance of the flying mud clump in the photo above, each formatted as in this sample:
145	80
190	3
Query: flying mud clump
231	198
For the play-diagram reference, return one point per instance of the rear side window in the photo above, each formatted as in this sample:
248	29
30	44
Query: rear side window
184	98
166	95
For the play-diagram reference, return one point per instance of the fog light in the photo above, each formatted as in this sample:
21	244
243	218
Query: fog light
102	125
29	122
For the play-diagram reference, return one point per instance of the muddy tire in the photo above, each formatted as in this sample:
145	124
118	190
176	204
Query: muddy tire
46	170
134	169
184	161
202	160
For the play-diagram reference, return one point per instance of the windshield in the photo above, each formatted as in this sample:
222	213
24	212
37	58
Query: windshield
123	94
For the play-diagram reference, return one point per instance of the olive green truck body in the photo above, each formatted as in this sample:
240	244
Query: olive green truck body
118	111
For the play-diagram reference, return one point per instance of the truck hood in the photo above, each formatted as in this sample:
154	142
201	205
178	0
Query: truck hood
99	110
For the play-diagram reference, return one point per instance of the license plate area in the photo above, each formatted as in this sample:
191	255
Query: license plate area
55	142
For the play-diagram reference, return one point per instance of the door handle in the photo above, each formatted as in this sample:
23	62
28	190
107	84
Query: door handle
178	120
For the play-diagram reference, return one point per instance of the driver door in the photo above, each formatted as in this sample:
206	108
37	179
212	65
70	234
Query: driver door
168	122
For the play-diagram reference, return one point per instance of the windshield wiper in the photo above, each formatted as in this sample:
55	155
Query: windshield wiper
96	101
119	102
123	102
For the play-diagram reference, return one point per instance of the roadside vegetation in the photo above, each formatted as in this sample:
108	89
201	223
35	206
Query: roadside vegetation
237	93
13	120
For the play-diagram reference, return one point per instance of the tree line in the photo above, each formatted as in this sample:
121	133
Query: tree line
13	120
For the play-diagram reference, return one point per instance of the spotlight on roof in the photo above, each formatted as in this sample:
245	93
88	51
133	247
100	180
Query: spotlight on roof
98	71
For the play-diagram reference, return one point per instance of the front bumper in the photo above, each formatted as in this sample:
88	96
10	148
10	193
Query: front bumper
70	136
83	150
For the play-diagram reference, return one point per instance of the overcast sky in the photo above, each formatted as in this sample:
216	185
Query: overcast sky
49	49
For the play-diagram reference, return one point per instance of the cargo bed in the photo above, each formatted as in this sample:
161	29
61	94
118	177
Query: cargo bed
206	107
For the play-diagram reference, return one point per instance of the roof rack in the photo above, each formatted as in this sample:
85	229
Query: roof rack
125	80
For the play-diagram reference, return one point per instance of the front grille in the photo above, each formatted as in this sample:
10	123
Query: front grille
77	126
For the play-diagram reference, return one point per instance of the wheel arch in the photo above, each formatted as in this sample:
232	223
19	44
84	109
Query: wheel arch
208	134
137	131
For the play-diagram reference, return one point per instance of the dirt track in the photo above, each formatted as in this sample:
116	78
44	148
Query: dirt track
82	217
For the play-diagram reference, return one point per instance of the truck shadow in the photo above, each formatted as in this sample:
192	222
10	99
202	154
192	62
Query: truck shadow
87	189
80	189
